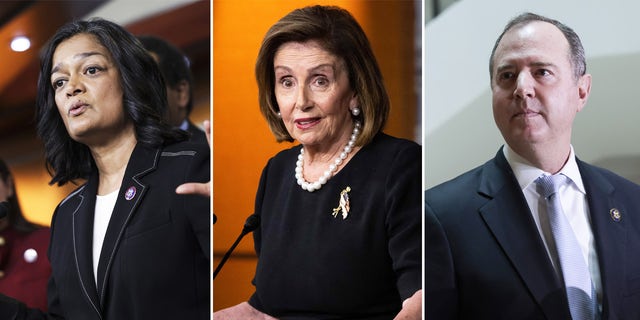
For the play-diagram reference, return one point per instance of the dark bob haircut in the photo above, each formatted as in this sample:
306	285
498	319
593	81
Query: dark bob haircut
339	33
144	99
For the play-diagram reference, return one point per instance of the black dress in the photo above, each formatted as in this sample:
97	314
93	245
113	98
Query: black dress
317	266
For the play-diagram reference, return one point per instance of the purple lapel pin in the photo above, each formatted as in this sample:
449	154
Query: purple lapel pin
131	192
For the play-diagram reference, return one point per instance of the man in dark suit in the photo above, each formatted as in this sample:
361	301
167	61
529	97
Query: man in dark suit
493	246
179	81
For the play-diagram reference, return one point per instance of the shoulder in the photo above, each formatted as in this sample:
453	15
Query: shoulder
596	175
387	154
466	181
463	189
393	145
184	160
183	152
184	148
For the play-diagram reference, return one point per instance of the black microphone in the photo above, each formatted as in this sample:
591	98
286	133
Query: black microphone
252	223
4	209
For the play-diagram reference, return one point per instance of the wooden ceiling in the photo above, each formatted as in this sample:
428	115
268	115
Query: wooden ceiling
186	26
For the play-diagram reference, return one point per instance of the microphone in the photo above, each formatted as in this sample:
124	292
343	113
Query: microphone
252	223
4	209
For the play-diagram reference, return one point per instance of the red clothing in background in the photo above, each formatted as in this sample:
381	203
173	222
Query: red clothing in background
24	266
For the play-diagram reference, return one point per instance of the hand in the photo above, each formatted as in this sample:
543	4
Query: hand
241	311
411	308
203	189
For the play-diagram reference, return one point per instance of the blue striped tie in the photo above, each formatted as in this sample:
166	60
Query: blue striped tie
575	271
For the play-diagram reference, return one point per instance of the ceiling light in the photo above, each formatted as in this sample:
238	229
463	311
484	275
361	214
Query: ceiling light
20	44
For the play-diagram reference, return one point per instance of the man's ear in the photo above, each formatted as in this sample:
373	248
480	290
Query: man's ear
584	89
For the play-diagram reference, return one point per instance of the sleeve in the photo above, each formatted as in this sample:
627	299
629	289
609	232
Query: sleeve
254	301
197	207
441	295
11	309
404	219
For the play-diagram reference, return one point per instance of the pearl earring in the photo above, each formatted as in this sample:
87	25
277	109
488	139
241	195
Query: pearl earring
279	115
355	111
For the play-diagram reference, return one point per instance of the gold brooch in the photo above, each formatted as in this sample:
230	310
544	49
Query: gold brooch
343	204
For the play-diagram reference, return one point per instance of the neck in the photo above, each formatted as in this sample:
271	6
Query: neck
321	166
318	157
111	160
550	160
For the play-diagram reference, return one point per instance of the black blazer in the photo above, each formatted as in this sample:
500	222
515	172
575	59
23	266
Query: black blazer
155	261
486	260
197	135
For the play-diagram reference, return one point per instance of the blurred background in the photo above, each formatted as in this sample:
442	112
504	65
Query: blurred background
459	131
186	24
242	140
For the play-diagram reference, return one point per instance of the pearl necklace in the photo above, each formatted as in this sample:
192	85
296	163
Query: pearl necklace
313	186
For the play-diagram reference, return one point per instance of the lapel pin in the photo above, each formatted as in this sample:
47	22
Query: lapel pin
131	192
343	204
615	214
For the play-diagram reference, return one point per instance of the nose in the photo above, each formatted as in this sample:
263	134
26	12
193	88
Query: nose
524	86
303	98
74	86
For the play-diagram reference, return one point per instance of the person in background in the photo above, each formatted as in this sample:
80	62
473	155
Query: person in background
534	233
176	72
341	213
123	245
24	267
199	188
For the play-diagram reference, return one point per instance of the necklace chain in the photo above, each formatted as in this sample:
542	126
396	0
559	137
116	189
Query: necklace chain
313	186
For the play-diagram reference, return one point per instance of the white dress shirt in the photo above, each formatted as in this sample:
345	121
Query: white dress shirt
574	204
101	218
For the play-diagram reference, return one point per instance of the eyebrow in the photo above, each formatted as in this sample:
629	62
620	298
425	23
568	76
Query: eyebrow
324	65
533	64
82	55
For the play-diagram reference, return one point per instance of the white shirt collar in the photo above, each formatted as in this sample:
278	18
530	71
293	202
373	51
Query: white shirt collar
526	173
184	125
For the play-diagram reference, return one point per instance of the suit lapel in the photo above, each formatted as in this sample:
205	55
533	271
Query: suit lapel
131	193
83	213
609	235
507	215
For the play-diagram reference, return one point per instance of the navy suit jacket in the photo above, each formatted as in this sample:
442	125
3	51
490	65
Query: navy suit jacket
486	260
155	260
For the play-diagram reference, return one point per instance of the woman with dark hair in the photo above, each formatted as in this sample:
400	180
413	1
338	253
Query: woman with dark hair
124	245
340	231
24	268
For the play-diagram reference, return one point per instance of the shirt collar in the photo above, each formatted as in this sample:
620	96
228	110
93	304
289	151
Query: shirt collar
526	173
184	125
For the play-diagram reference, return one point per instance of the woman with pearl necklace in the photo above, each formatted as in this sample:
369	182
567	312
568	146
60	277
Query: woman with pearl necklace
340	232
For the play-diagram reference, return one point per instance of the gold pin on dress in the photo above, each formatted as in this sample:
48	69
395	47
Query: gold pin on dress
343	204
